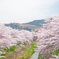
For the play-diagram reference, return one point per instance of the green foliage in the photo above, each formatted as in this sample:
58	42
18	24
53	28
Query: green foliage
12	48
55	52
3	54
22	57
7	50
16	57
33	45
25	43
18	44
40	56
29	51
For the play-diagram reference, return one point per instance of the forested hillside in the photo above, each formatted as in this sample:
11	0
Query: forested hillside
37	22
22	26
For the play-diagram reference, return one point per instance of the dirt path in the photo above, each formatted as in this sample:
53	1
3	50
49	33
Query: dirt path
17	52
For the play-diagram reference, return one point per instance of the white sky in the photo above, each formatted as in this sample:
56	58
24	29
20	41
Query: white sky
22	11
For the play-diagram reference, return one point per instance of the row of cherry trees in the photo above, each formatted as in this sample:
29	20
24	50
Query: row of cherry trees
48	35
9	36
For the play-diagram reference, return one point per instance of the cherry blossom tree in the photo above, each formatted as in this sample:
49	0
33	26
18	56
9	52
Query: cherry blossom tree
9	36
49	35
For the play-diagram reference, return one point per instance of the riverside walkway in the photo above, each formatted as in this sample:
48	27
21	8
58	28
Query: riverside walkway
35	55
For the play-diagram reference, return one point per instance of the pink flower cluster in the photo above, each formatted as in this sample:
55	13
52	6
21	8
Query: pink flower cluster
9	36
49	34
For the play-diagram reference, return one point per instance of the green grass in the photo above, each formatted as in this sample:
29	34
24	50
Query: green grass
55	52
25	54
12	48
3	54
28	52
33	45
40	56
25	43
16	57
18	44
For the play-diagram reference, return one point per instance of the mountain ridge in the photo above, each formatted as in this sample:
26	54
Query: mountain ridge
36	22
27	26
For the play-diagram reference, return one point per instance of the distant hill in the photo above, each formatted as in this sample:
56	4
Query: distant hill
22	26
27	26
36	22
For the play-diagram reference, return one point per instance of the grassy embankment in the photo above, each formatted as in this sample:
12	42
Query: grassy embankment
12	48
27	53
55	52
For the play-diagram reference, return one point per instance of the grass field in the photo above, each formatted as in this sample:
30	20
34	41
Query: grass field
27	53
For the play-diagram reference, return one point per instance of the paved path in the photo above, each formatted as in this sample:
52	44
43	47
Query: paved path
35	55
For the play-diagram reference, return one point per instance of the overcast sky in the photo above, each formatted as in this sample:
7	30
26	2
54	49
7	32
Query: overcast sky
22	11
